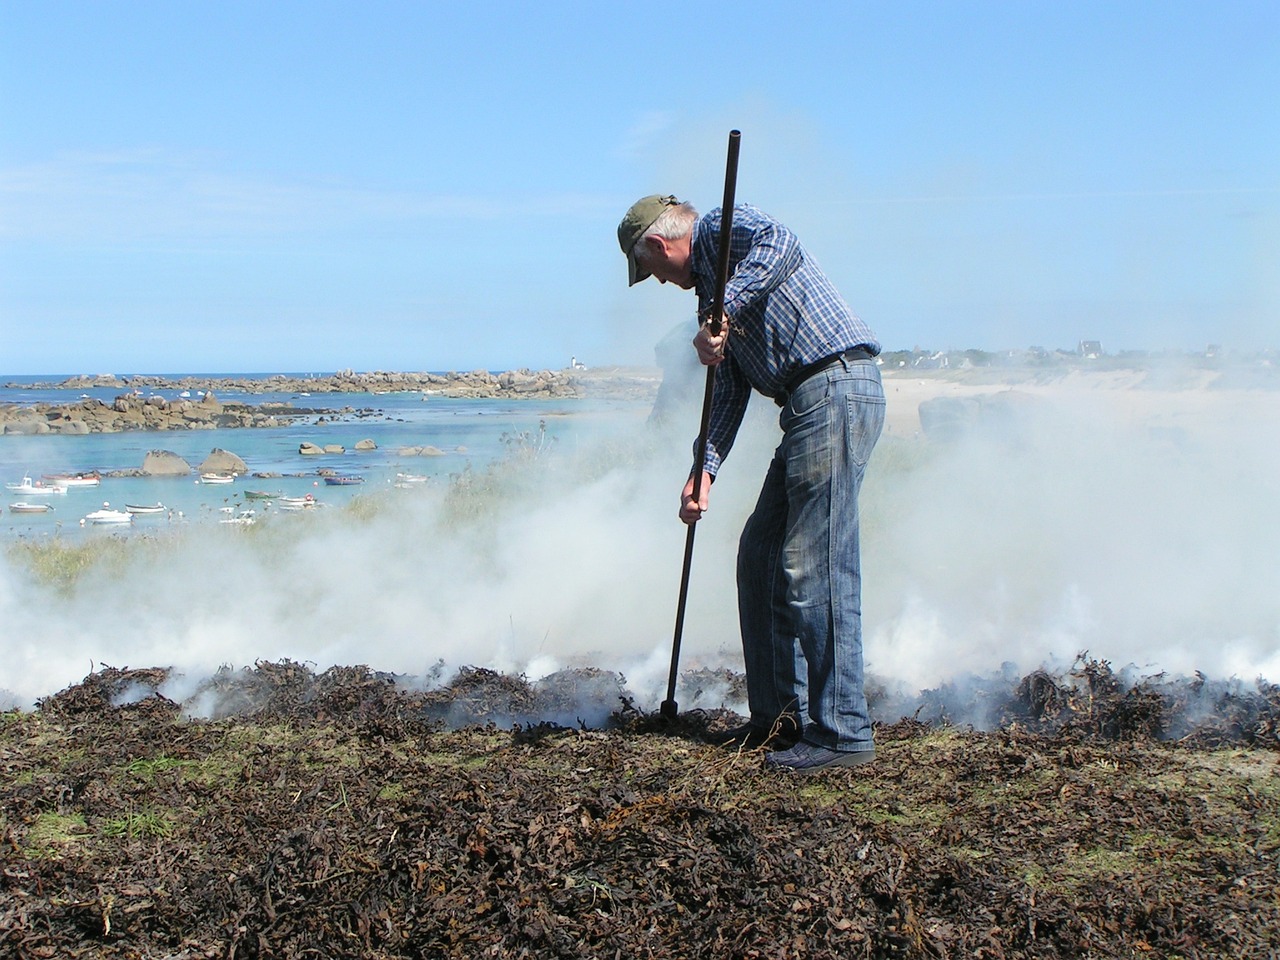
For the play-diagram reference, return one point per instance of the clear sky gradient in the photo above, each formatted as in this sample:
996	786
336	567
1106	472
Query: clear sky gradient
310	186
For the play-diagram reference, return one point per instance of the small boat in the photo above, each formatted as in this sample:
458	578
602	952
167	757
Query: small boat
409	481
346	481
244	518
107	515
73	479
298	503
261	495
24	507
144	509
217	478
37	488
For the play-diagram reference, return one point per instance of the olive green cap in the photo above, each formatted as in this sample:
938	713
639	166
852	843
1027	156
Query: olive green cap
642	215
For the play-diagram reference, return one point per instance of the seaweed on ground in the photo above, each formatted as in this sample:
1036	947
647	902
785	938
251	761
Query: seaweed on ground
349	814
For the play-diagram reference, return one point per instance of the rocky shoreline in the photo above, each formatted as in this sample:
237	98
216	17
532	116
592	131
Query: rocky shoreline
138	407
128	412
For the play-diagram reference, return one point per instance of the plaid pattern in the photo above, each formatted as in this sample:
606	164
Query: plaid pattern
783	314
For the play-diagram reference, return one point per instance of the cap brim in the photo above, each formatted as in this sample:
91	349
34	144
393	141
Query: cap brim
635	272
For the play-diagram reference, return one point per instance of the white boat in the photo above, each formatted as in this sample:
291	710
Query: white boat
145	509
107	515
217	478
73	479
24	507
37	488
244	518
297	503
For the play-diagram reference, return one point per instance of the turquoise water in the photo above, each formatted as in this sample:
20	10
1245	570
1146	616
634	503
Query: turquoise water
470	434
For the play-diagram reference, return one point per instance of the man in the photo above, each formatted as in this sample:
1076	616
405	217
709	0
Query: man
789	335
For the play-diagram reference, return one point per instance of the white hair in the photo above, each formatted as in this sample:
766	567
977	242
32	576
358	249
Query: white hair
672	224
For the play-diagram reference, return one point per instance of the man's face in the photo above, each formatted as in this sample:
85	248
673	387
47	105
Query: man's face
669	260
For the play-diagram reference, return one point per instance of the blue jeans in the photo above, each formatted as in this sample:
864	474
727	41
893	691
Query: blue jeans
799	577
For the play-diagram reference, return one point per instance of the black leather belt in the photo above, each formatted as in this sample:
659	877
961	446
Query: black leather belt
809	369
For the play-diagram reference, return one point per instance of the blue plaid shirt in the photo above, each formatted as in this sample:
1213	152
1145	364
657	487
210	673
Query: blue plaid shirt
783	314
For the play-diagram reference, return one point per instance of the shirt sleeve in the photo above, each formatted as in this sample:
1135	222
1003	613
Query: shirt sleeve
728	405
770	253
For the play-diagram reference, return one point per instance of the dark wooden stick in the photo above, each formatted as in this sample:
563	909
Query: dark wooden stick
670	709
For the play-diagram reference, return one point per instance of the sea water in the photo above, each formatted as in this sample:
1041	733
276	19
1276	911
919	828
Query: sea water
468	433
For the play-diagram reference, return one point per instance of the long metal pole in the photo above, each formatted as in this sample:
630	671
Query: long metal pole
670	709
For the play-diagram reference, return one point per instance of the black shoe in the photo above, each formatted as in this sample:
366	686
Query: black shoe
805	758
748	736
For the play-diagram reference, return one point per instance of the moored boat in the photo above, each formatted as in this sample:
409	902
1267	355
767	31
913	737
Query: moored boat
73	479
35	488
217	478
297	503
261	495
107	515
343	481
144	509
24	507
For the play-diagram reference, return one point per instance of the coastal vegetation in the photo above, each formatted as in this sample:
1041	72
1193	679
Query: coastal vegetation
61	563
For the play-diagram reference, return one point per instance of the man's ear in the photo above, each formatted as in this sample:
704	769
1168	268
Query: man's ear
655	248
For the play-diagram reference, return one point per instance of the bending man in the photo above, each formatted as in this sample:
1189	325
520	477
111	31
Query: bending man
789	335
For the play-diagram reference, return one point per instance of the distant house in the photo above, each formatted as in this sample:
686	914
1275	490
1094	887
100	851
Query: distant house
932	361
1090	349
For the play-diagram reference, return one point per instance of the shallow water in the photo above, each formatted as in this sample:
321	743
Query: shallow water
470	434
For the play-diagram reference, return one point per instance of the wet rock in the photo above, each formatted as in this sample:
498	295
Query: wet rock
164	463
223	461
27	426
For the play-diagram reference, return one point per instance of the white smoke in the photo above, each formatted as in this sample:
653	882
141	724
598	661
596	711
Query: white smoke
1083	527
564	559
1142	526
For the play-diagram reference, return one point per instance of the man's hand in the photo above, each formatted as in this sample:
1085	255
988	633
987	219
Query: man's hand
711	346
691	510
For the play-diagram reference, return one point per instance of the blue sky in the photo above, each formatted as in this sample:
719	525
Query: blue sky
240	186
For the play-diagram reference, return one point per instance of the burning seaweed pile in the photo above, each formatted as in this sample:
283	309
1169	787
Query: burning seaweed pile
279	812
1094	699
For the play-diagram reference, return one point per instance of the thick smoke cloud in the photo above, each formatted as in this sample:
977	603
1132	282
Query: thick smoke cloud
1088	521
1139	525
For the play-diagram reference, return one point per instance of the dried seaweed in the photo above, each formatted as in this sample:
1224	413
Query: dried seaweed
352	814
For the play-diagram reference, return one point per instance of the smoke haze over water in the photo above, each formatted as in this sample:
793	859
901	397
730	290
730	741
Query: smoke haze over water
1071	527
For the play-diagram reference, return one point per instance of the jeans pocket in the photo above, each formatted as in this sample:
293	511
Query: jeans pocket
864	422
809	396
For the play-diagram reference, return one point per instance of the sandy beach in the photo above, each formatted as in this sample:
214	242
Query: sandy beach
1147	398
